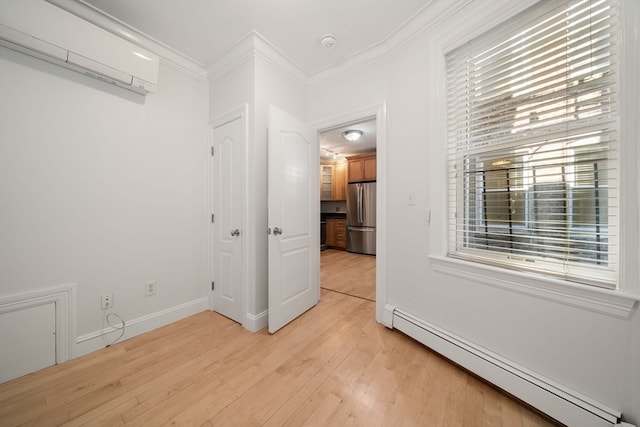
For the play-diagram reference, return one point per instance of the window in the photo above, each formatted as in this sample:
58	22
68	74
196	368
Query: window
532	128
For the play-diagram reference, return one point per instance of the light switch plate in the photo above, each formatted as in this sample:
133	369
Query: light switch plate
411	198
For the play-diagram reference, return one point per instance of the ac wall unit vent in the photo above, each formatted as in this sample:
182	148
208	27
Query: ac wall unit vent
47	32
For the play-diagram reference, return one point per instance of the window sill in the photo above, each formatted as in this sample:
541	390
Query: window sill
610	302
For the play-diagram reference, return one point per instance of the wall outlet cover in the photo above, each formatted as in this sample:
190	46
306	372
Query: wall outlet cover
150	288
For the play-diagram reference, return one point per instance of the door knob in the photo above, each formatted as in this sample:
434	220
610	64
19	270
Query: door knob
235	232
277	231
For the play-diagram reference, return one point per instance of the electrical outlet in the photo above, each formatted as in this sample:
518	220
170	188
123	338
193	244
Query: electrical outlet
106	300
150	288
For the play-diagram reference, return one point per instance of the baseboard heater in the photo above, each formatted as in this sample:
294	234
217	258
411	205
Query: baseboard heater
561	403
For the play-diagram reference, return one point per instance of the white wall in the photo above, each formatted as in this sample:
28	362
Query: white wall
593	353
103	188
259	79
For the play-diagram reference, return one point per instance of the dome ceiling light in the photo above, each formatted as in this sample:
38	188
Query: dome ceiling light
352	135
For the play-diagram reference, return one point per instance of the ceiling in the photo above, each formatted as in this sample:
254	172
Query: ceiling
333	146
205	29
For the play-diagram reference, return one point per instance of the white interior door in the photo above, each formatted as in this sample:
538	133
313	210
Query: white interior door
228	143
294	219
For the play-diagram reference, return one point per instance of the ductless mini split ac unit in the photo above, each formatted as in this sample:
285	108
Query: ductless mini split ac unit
48	32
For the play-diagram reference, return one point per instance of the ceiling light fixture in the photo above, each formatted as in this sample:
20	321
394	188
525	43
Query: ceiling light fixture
328	41
352	135
330	152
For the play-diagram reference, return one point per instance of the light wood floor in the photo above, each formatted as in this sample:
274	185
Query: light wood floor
333	366
348	273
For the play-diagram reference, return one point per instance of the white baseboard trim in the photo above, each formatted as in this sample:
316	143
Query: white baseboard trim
559	402
255	322
96	340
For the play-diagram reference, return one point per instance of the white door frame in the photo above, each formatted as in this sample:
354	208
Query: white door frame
379	111
242	114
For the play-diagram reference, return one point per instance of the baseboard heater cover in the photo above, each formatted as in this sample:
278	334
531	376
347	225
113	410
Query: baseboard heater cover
559	402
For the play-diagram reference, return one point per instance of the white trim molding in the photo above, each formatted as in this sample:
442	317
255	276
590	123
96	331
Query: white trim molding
559	402
64	298
255	322
254	45
604	301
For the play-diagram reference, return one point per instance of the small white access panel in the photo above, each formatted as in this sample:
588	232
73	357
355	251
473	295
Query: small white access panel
28	340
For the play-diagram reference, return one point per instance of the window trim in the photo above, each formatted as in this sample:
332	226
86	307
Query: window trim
600	300
476	20
607	278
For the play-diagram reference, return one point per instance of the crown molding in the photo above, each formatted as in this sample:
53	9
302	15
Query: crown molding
431	13
168	55
430	16
271	54
251	46
254	45
241	52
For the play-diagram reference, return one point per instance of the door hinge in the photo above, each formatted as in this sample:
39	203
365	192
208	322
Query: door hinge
213	218
213	151
213	286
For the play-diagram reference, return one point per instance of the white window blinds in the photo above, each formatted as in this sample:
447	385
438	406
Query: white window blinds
532	142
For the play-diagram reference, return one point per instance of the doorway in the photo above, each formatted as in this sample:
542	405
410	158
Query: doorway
348	273
346	265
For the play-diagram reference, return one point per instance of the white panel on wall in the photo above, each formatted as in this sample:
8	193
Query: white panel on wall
28	340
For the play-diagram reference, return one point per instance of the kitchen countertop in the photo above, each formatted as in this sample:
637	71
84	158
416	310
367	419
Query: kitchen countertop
341	214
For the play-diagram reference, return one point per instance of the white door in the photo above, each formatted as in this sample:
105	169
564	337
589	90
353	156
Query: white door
294	219
228	142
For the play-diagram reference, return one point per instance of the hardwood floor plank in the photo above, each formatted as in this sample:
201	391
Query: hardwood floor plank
337	362
348	273
291	378
332	366
454	410
491	411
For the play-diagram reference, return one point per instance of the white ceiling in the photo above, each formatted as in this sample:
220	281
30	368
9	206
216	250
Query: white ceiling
205	29
334	141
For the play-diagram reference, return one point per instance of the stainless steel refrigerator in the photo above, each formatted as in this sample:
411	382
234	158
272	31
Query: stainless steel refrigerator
361	218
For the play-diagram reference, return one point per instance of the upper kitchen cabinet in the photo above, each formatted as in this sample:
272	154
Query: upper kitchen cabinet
362	167
333	181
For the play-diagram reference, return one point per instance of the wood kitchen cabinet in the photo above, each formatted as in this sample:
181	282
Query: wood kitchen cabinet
336	233
326	182
340	179
333	180
362	168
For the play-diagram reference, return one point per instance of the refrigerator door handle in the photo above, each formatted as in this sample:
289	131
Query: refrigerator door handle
360	213
362	229
358	203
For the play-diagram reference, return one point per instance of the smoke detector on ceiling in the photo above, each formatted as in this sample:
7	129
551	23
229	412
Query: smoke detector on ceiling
328	41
